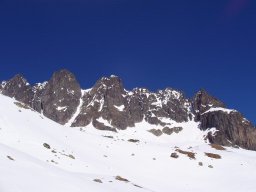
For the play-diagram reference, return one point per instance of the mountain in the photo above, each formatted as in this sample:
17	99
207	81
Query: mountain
109	106
39	155
56	136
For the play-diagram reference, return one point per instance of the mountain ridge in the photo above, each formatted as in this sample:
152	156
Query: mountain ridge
109	106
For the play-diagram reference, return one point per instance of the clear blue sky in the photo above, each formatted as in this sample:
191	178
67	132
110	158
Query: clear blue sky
183	44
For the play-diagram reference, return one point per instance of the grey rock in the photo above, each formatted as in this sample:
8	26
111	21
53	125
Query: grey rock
61	96
18	88
167	130
177	129
232	128
108	101
174	155
156	132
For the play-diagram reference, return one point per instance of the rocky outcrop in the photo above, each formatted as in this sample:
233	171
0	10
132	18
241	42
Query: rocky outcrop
120	108
232	129
18	88
204	101
60	97
109	106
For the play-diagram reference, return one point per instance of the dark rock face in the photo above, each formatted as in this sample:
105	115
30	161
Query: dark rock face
18	88
108	106
203	102
38	90
232	128
60	98
121	109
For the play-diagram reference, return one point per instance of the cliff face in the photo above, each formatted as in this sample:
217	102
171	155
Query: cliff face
232	128
109	106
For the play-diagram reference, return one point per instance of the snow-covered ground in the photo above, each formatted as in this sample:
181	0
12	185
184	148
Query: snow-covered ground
39	155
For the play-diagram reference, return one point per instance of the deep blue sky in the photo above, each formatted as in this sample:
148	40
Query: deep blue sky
183	44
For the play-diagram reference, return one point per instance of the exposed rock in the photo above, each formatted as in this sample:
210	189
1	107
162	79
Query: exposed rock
119	178
133	140
47	146
156	132
204	101
61	96
174	155
167	131
101	126
212	155
232	128
18	88
177	129
190	154
218	147
10	158
97	181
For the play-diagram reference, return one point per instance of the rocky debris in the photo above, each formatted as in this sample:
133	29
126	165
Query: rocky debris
119	178
71	156
174	155
156	132
191	155
10	158
200	164
47	146
212	155
218	147
107	136
97	181
133	140
210	166
137	186
22	105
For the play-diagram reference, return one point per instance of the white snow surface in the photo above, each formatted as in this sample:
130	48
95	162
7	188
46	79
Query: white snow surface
78	110
120	108
228	111
146	163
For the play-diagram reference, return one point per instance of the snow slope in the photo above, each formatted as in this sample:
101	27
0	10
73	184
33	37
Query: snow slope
78	156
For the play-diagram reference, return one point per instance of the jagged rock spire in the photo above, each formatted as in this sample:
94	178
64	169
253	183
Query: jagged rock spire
61	96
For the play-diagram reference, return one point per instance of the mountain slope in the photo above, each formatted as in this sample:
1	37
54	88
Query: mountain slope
109	106
38	154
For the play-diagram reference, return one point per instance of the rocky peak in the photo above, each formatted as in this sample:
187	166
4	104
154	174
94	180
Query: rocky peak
109	84
203	101
108	106
232	129
61	96
18	88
